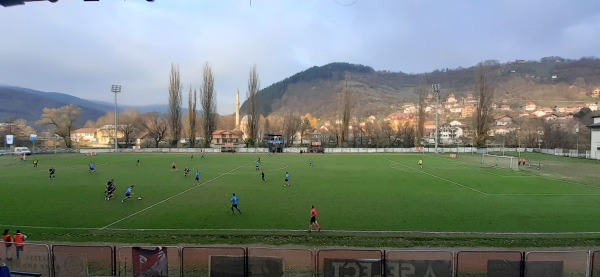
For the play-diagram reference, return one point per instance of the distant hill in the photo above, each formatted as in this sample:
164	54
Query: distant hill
550	81
25	103
28	104
316	90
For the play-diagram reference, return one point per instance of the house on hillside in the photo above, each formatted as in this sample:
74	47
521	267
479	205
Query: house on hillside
505	107
503	120
539	113
559	117
227	140
410	109
84	136
469	99
450	134
457	123
595	140
467	111
457	109
500	130
595	93
572	109
106	134
530	106
546	110
451	99
592	106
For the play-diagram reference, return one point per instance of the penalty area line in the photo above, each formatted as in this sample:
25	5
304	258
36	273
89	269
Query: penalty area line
169	198
438	177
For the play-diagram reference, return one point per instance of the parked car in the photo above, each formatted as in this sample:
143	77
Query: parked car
22	151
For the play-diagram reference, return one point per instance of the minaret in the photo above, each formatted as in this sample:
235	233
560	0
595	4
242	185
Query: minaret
237	110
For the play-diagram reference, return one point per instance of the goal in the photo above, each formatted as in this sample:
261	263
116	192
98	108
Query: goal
500	161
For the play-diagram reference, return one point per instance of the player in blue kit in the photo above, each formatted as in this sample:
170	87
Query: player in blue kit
128	193
197	177
287	179
234	204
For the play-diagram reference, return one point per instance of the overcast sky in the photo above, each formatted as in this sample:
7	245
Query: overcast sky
82	48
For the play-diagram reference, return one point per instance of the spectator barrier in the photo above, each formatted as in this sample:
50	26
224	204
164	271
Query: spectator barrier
105	260
558	151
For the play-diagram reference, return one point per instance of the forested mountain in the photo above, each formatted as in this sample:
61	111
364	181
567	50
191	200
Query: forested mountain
23	103
317	89
548	82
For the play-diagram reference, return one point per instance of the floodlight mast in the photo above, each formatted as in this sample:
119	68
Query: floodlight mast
116	89
436	90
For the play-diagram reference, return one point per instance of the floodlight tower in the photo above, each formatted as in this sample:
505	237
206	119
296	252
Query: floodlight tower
436	90
116	89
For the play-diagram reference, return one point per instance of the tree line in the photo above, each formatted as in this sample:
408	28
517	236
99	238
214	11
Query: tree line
346	131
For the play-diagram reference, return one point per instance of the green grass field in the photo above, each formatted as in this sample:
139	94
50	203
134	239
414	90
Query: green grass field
353	193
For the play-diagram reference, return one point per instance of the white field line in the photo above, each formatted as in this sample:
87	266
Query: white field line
545	194
527	175
395	232
171	197
490	173
518	194
438	177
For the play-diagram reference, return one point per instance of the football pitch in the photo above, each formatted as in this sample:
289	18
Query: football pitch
354	193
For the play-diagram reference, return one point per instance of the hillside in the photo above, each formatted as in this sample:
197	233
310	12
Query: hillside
22	103
548	81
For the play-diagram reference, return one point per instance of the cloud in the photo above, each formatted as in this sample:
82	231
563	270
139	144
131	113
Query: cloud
82	48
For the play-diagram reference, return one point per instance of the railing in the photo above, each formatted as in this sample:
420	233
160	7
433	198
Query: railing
108	260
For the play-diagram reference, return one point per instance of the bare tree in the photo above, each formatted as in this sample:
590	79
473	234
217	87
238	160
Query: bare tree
267	126
484	94
356	134
175	104
421	92
304	127
373	134
130	124
253	106
346	110
192	117
406	134
530	132
62	121
156	125
17	127
208	101
291	125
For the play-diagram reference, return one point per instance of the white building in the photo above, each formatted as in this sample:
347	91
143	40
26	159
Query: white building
595	142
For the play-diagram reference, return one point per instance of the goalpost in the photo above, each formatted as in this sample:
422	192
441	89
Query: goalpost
500	161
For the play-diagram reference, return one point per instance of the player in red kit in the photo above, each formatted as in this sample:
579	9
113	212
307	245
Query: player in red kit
313	220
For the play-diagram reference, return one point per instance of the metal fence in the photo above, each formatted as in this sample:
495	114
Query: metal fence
108	260
583	153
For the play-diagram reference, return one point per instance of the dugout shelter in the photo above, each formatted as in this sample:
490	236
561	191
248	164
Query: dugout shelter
274	142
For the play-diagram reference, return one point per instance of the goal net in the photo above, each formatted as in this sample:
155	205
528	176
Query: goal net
508	162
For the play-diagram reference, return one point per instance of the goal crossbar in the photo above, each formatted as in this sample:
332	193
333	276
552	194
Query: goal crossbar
509	162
